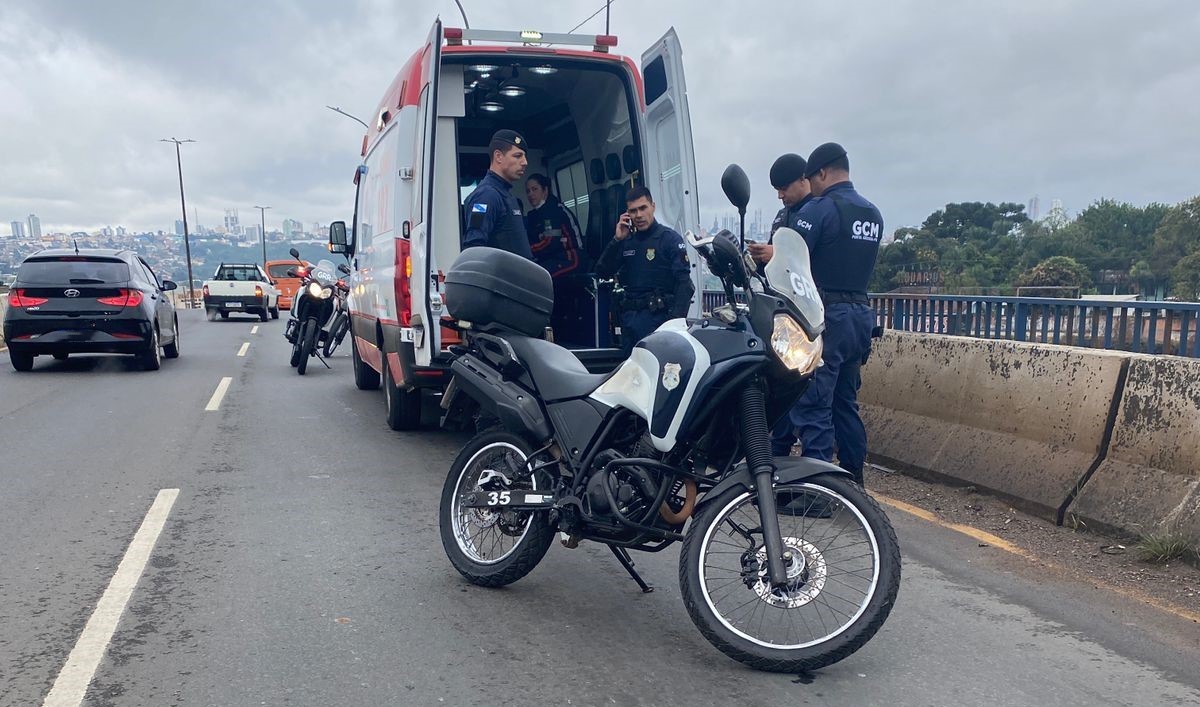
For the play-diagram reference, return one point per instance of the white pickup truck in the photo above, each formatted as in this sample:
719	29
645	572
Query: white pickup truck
241	287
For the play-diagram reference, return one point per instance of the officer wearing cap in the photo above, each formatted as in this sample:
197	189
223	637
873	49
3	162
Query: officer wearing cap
651	263
491	213
843	231
787	176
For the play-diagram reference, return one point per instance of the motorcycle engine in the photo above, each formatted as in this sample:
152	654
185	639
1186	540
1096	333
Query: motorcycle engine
632	488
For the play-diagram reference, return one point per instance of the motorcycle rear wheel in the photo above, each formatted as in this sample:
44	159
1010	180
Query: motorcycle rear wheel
843	576
487	547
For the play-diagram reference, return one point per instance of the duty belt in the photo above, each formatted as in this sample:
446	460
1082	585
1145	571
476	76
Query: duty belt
843	297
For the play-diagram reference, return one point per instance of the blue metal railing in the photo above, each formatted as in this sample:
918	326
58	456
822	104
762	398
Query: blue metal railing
1143	327
1171	328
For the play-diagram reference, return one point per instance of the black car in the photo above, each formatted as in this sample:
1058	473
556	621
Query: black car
89	301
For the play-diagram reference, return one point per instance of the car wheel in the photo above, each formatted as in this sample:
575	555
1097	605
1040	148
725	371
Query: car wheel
224	315
171	350
274	312
264	315
61	356
151	358
20	361
211	314
365	377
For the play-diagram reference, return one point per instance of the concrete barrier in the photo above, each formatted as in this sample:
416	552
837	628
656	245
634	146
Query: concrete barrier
1024	420
1149	480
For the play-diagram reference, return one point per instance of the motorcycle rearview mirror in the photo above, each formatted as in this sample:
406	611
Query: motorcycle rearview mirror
295	253
736	186
344	268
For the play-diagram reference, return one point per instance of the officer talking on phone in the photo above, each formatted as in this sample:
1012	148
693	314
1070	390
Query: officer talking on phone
651	263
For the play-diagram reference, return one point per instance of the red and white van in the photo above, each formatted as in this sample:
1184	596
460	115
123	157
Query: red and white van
596	122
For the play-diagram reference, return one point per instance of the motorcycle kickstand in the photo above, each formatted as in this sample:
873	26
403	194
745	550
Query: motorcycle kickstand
321	359
626	562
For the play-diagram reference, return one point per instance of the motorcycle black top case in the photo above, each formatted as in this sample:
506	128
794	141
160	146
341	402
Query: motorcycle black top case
493	288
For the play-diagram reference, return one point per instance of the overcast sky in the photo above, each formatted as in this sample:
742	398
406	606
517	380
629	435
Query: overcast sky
936	102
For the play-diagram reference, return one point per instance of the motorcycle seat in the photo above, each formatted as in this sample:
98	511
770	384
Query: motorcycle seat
556	372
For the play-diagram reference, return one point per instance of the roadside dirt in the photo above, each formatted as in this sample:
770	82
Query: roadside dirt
1087	554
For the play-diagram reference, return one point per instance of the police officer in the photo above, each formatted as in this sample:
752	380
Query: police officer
556	245
491	213
787	176
651	262
843	231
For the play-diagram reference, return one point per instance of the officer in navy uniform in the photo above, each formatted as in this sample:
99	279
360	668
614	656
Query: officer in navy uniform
787	176
651	262
491	213
843	231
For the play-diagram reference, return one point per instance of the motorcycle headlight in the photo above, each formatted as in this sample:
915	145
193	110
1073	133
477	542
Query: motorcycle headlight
793	347
315	290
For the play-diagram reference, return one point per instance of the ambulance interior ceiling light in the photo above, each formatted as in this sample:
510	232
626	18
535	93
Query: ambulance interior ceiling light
511	90
491	106
483	68
544	70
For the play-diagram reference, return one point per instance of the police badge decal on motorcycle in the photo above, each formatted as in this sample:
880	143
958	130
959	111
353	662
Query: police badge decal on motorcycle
670	377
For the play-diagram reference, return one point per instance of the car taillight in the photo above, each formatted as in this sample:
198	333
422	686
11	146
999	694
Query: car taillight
18	298
403	275
124	298
258	292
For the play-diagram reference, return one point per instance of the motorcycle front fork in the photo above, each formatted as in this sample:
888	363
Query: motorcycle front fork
756	440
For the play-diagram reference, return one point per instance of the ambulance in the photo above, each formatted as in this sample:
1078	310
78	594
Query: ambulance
597	124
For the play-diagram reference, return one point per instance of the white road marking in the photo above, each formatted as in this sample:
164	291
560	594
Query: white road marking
214	403
72	683
254	330
244	349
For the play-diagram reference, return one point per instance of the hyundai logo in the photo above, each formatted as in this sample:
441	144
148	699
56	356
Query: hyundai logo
71	293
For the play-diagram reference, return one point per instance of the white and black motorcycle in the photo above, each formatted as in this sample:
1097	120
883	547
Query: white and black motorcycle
313	310
787	565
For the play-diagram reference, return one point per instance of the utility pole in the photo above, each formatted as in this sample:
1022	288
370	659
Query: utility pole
262	215
187	244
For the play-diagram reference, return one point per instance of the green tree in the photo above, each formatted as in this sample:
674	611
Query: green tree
1177	237
1058	271
975	220
1185	278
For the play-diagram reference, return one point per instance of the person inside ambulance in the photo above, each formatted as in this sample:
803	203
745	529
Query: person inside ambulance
557	247
491	213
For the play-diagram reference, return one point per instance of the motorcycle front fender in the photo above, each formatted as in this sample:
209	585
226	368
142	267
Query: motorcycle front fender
787	470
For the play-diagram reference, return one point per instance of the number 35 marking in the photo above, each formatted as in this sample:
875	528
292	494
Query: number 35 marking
500	498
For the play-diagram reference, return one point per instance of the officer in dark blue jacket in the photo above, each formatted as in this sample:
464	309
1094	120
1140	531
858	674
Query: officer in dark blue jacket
787	176
843	231
491	213
651	262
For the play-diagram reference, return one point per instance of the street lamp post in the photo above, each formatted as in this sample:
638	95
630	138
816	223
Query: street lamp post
335	109
187	245
262	216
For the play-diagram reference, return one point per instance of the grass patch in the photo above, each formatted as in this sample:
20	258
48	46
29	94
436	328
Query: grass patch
1161	548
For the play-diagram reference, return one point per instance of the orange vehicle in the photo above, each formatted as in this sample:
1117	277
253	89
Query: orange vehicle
277	270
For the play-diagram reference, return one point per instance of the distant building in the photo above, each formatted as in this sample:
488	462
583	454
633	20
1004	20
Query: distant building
231	222
293	229
35	226
121	232
18	229
178	227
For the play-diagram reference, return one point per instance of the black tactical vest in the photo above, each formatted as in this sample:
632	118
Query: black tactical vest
846	264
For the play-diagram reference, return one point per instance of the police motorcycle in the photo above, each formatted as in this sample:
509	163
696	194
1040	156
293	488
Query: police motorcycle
339	324
786	564
313	310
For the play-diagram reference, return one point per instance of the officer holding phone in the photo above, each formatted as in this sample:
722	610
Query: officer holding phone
651	263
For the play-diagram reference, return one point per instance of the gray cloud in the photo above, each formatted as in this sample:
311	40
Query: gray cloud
1065	99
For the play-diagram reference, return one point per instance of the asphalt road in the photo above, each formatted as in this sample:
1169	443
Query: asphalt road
301	565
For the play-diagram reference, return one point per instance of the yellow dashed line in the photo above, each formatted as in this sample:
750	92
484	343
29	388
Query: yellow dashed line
986	537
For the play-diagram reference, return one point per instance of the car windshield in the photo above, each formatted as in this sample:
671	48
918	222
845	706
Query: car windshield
279	270
73	270
790	274
243	273
325	272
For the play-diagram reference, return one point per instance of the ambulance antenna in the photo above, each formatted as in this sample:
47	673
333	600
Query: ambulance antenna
607	9
76	242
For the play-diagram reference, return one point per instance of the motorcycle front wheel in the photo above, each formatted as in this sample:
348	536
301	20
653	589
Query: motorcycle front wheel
489	547
843	571
308	344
